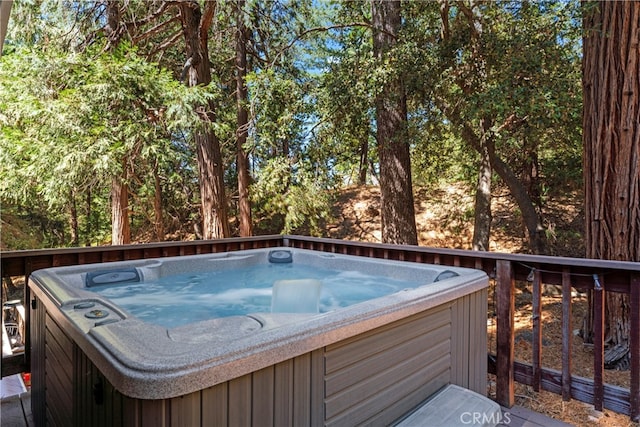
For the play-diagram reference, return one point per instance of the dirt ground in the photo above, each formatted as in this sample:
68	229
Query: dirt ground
551	404
444	218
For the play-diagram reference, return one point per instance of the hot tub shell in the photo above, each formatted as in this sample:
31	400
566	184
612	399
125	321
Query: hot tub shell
369	363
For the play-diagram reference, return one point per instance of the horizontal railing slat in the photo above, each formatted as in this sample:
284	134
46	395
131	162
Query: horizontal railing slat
13	364
615	398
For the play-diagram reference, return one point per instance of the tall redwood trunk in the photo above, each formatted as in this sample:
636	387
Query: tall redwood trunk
5	11
611	139
397	209
242	98
213	201
120	229
212	193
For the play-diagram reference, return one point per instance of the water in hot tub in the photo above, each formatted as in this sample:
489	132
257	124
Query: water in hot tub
186	298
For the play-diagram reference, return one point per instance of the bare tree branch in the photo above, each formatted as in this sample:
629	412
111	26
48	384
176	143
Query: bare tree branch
155	30
316	30
153	16
175	37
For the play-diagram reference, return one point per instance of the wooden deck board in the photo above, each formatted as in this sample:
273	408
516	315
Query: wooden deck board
16	412
518	416
454	405
11	386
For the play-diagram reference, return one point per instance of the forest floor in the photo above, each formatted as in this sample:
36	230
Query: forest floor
444	218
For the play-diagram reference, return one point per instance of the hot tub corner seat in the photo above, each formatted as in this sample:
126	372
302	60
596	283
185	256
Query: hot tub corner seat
454	406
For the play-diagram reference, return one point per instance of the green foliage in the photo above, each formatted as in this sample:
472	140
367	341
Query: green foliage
290	195
72	123
344	99
73	118
279	104
437	153
516	66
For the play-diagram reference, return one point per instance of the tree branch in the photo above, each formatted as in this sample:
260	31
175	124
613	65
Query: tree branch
318	29
155	30
512	122
207	19
445	33
168	43
152	17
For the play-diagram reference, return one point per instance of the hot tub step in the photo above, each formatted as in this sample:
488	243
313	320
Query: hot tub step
455	406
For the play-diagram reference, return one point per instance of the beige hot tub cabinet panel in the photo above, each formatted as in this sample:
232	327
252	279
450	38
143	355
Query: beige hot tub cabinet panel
373	378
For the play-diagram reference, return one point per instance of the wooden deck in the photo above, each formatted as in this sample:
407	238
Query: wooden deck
518	416
16	412
567	273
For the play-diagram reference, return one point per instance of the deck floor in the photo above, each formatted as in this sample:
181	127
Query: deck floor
522	417
16	412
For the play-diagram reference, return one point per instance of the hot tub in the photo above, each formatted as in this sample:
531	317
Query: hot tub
370	361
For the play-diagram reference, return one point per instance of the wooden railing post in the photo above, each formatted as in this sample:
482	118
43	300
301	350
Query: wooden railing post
536	311
567	335
598	343
505	310
634	346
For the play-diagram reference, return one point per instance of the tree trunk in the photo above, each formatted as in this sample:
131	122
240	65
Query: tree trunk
73	219
112	28
5	11
210	168
482	217
242	98
530	171
531	218
611	140
397	209
529	177
89	228
157	205
364	156
214	210
120	229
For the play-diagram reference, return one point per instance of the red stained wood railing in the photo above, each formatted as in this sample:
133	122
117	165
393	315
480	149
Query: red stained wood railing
634	344
598	345
505	312
506	269
567	334
536	315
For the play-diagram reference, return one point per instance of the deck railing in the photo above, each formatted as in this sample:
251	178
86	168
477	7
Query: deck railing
568	274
